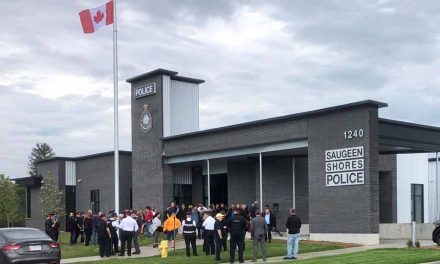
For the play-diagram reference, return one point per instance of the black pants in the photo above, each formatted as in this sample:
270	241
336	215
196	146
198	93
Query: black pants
209	242
115	241
88	233
224	241
126	238
199	232
190	239
203	237
269	233
244	239
136	235
104	245
156	236
218	247
236	240
56	234
81	233
73	237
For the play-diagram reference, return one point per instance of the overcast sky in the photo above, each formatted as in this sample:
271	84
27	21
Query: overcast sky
259	59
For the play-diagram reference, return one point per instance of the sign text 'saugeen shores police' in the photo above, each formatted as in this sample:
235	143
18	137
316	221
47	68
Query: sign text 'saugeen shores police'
145	90
344	166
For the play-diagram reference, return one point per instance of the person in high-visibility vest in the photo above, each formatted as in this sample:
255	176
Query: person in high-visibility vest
170	227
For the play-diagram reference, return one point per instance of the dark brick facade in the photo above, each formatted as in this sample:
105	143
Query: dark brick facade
94	172
302	188
241	181
387	188
98	174
153	180
343	209
55	168
277	185
235	138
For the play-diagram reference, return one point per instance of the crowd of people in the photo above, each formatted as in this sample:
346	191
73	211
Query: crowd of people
214	224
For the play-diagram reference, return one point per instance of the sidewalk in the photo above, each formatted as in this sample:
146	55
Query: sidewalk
383	244
146	251
149	251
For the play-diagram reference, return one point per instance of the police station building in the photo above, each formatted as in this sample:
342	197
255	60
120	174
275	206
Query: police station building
352	176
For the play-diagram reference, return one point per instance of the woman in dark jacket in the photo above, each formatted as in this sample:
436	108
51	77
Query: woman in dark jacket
88	227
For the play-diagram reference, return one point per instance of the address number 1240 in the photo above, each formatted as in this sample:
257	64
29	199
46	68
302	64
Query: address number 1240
356	133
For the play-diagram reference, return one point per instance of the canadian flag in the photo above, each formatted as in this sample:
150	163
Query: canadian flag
95	18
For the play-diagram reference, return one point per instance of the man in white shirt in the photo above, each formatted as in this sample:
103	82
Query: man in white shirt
128	227
208	226
201	208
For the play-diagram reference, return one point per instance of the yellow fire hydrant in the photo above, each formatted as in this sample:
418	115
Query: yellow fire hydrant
163	248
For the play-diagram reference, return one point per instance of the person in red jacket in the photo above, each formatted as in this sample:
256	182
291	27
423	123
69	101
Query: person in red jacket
147	219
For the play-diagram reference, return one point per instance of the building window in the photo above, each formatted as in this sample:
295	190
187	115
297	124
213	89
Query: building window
417	203
183	193
28	202
94	201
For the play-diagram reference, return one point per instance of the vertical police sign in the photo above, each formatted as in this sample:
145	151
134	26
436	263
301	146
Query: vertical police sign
344	166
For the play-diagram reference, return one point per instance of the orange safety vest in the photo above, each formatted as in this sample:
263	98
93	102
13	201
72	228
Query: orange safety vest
170	225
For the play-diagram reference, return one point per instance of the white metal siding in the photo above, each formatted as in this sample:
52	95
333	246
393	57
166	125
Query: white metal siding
182	174
70	173
184	107
411	168
166	106
432	192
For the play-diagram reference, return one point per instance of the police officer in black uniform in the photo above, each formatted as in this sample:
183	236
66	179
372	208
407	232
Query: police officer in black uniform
114	238
189	233
104	236
218	235
236	230
225	232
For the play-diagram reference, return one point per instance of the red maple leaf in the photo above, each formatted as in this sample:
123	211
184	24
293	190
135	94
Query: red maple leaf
98	17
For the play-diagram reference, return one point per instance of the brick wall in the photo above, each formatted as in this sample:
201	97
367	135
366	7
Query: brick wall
343	209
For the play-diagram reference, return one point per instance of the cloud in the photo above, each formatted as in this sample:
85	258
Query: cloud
259	59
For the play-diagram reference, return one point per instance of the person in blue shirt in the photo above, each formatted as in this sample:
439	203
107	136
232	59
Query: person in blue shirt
271	222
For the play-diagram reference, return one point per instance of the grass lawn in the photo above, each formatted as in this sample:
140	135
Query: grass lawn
385	256
277	248
79	250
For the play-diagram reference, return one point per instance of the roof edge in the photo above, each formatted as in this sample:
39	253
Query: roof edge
408	124
107	153
150	74
301	115
187	79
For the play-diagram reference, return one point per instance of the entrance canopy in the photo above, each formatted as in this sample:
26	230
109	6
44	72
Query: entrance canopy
403	137
292	148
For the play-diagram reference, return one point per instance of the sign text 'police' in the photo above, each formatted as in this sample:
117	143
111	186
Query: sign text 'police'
344	166
145	90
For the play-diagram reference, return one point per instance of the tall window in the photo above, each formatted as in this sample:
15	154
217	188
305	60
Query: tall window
94	201
417	203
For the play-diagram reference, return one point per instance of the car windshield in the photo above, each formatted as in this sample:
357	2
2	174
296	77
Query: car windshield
23	234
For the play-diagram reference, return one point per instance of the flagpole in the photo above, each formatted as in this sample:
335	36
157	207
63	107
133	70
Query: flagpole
116	123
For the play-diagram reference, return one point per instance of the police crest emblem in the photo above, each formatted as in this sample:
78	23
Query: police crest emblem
146	120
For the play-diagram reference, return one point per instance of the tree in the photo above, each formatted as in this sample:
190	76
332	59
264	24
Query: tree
51	197
41	152
11	201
